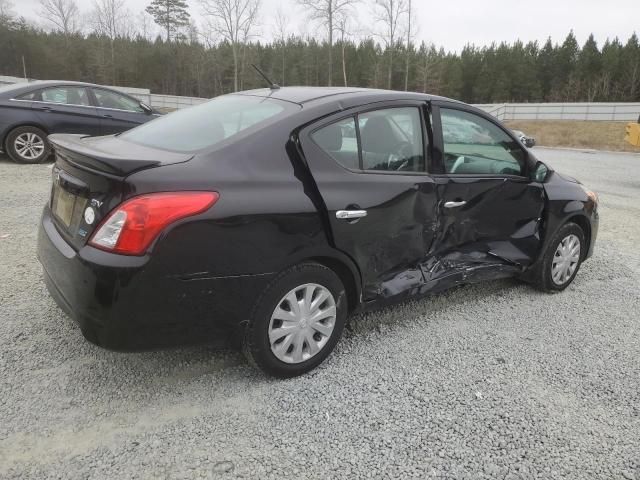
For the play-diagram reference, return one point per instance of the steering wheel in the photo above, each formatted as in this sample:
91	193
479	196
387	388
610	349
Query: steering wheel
458	163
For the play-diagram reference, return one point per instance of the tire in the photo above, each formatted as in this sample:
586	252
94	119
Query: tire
27	145
543	276
305	347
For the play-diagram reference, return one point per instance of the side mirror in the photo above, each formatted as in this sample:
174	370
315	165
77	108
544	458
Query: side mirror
540	172
147	109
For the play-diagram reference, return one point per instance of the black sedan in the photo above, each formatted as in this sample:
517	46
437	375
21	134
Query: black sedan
268	217
31	111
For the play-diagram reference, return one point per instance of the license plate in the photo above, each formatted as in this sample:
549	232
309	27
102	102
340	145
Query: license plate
67	206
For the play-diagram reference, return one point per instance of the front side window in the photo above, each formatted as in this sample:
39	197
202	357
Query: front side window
383	140
207	124
66	95
108	99
473	145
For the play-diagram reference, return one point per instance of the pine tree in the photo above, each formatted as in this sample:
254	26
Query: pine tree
589	69
567	58
171	15
545	66
611	68
631	69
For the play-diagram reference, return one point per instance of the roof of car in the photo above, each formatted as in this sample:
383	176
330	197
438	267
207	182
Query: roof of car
303	95
45	83
60	82
24	87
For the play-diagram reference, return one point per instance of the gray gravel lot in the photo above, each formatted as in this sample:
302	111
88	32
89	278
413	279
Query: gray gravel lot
489	381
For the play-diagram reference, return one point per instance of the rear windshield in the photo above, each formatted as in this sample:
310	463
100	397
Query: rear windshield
205	125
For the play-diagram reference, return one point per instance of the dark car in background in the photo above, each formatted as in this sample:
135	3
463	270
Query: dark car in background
31	111
267	217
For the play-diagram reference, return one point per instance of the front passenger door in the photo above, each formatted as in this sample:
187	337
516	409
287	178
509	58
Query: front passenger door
118	112
490	210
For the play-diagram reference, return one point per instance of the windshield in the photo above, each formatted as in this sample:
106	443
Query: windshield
205	125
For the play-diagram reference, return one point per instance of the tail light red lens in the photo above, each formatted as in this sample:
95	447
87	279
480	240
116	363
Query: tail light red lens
135	224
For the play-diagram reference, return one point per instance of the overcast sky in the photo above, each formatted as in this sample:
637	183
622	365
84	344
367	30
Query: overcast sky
454	23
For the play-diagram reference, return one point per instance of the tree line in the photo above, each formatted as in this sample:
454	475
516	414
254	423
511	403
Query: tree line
215	57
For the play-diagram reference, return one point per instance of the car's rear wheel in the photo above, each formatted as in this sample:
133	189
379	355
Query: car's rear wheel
562	259
297	321
27	145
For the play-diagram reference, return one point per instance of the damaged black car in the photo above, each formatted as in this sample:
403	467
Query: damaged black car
266	218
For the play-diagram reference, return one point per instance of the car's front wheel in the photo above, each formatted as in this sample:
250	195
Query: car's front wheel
562	259
297	321
27	145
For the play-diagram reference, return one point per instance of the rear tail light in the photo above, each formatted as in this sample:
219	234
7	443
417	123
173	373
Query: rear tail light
135	224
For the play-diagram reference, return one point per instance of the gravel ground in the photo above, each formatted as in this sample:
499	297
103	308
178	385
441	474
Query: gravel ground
488	381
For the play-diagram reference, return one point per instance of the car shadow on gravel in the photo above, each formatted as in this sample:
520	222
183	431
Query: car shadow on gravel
189	363
189	366
395	315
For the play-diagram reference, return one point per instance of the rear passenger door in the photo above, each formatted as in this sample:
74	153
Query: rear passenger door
66	109
370	169
118	112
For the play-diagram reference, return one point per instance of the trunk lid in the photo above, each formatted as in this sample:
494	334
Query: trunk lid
89	179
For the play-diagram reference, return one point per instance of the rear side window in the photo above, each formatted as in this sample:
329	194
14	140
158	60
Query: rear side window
66	95
205	125
340	141
389	139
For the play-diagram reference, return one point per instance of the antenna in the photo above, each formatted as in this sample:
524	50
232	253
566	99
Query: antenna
272	85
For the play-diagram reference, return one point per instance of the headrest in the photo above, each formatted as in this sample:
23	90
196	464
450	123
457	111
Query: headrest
378	136
329	137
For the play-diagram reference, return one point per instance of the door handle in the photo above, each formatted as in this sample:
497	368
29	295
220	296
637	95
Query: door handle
455	204
46	109
106	115
350	214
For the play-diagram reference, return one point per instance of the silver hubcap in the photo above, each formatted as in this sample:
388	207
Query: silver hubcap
302	323
565	260
29	145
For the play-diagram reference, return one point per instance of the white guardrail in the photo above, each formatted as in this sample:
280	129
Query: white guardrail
172	102
619	112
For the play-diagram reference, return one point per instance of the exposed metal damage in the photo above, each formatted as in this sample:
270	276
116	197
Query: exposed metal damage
459	251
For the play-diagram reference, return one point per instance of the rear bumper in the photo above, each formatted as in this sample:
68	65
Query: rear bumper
132	303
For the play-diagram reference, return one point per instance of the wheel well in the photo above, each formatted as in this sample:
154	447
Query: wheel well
346	277
35	125
584	224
